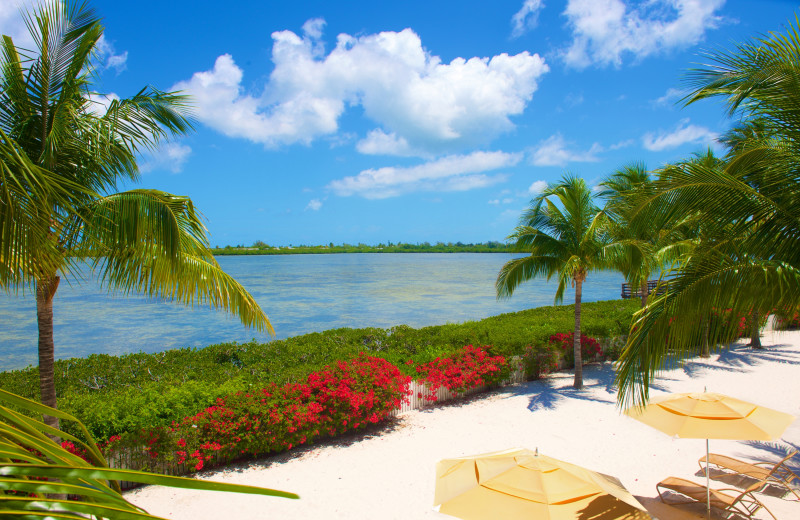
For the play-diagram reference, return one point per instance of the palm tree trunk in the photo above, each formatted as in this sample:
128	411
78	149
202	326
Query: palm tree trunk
644	293
755	331
704	351
576	343
45	291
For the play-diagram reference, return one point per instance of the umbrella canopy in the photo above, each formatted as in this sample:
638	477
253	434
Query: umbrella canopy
710	415
519	483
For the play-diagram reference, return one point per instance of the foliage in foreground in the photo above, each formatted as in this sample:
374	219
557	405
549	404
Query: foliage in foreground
116	394
35	470
746	208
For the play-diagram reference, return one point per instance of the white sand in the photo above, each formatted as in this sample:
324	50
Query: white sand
390	474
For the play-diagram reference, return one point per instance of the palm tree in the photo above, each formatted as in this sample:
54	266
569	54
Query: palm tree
643	249
753	202
146	241
561	231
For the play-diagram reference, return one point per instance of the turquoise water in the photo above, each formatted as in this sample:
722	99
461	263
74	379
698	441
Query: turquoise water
299	293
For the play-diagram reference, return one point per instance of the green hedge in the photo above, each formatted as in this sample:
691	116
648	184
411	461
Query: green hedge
116	394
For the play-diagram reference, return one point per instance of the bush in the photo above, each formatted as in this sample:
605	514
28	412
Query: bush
590	347
539	360
613	347
343	397
790	321
471	367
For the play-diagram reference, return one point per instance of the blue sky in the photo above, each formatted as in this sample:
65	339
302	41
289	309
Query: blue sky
411	121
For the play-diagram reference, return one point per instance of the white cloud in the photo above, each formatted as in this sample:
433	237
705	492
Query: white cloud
450	173
170	156
313	28
554	151
537	187
606	30
526	18
379	142
670	97
494	201
420	104
314	205
221	104
683	133
108	59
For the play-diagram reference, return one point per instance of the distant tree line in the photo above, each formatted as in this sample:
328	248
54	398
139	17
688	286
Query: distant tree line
261	248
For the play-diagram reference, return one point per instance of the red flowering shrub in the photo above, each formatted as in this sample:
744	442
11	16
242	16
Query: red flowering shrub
590	347
789	321
471	367
76	450
343	397
726	320
539	360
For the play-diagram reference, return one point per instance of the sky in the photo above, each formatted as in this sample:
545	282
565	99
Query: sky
409	121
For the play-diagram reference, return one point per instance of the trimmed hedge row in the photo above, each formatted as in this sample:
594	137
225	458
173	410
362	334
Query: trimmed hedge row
117	394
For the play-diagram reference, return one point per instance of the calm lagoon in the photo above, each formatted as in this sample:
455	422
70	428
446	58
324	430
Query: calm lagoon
299	293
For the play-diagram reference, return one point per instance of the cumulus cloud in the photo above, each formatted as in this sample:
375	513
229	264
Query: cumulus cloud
420	105
526	18
314	205
170	156
379	142
683	133
555	151
606	30
449	173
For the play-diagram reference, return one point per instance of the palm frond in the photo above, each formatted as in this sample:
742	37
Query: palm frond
33	467
154	243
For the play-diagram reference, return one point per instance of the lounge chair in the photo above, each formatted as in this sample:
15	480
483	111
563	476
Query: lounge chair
767	473
744	503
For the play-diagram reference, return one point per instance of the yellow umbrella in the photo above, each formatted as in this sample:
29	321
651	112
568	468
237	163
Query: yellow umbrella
519	483
709	415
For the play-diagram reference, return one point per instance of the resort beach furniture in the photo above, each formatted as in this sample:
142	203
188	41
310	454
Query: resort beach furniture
768	473
710	415
743	503
522	484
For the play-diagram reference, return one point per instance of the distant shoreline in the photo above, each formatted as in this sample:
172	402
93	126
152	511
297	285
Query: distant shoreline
458	247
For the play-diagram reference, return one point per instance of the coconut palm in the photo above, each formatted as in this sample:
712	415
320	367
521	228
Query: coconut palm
561	231
145	241
753	202
644	246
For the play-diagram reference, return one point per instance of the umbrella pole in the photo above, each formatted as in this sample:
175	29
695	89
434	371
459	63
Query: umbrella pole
708	486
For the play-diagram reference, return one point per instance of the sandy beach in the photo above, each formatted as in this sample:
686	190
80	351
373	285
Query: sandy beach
389	473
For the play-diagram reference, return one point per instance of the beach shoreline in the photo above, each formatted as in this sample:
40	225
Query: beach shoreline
389	472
